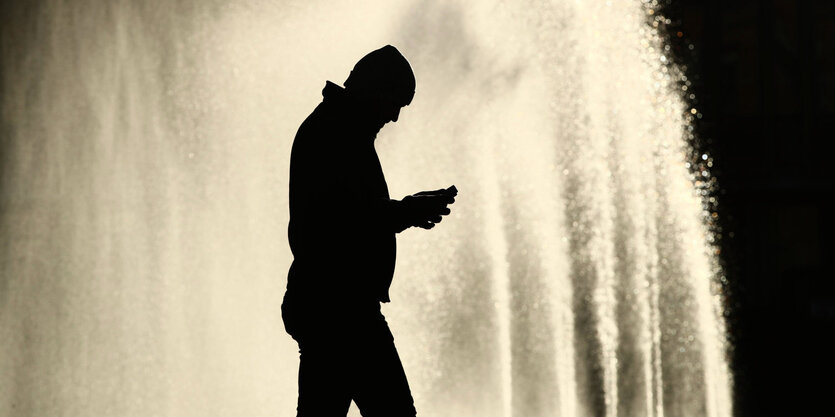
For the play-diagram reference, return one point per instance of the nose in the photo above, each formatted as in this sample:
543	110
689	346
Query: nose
395	115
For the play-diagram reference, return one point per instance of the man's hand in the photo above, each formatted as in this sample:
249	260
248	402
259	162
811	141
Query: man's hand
426	208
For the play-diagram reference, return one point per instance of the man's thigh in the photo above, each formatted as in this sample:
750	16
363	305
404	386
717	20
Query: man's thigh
324	384
381	387
352	359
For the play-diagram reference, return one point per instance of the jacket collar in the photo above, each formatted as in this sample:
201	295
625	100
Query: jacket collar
333	91
333	94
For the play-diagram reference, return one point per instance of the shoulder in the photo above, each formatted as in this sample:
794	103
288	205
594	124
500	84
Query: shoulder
321	136
322	125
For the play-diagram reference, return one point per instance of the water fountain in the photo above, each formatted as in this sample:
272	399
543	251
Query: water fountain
143	208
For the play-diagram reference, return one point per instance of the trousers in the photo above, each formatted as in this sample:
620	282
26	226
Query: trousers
347	355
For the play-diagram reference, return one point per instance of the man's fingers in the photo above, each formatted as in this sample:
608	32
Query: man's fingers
442	200
428	208
433	192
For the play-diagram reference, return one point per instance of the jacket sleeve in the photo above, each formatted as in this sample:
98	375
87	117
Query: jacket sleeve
358	186
352	205
392	213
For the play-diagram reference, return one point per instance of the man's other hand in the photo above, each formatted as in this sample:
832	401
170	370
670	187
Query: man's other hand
426	208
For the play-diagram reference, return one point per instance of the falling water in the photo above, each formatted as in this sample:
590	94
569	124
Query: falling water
143	208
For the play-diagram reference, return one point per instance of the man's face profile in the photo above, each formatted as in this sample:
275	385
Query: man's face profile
389	109
384	81
386	109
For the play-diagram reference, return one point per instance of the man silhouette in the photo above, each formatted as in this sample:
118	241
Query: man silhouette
342	235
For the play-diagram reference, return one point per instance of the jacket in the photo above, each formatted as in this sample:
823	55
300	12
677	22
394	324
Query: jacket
342	220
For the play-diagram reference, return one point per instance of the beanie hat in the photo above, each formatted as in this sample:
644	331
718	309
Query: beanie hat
384	72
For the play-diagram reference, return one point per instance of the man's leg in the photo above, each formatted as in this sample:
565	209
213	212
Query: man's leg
323	383
380	388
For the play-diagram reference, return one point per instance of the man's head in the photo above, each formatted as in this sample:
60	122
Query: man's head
384	79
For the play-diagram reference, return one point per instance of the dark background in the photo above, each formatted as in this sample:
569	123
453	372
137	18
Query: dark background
763	75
